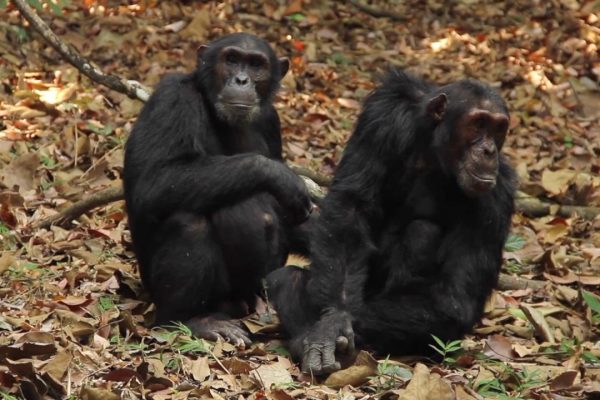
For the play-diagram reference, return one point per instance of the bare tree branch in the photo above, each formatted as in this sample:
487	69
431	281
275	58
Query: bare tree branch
534	207
528	205
98	199
132	89
111	194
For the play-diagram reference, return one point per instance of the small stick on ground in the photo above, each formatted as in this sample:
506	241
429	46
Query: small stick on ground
509	282
98	199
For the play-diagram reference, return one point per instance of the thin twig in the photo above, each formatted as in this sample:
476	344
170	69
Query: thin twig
133	89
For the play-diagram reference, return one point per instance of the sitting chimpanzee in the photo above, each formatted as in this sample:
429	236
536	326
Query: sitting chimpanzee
212	207
409	241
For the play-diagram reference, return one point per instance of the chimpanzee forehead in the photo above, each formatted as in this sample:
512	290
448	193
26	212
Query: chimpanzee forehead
474	94
245	42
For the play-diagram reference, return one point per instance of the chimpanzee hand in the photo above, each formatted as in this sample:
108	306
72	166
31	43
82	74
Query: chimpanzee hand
331	335
212	328
293	195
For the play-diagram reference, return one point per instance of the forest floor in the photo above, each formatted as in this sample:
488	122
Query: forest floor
73	315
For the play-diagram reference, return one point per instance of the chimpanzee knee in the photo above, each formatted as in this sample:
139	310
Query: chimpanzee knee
187	272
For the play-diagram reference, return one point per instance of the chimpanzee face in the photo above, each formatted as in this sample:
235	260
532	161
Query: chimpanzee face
473	132
480	136
244	76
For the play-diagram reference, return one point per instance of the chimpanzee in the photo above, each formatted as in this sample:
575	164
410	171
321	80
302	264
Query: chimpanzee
409	240
212	207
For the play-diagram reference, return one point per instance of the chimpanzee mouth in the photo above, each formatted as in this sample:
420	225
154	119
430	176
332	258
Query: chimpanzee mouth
241	105
484	179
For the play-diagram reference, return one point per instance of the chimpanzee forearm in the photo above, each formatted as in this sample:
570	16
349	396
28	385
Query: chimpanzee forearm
203	184
342	247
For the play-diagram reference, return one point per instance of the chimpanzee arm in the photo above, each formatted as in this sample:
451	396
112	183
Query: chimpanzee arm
203	184
453	303
403	321
172	161
344	239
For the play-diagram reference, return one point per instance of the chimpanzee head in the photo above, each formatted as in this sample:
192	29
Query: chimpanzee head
239	74
472	123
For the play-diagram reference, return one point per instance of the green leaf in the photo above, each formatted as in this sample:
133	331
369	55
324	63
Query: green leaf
36	4
439	342
3	3
297	17
514	243
56	9
439	351
591	300
339	58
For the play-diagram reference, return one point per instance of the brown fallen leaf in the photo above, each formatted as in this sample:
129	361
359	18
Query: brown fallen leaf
59	364
90	393
427	386
498	347
566	380
199	369
354	375
21	172
199	26
7	259
557	182
271	374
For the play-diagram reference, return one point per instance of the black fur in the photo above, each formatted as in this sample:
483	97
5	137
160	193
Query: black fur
399	249
211	205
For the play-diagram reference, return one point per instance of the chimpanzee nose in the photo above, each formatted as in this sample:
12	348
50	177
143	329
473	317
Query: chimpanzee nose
489	149
242	79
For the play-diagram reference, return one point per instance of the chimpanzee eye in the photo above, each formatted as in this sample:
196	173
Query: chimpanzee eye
231	58
256	62
479	124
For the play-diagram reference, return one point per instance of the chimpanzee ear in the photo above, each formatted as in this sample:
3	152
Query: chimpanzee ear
284	66
201	50
436	107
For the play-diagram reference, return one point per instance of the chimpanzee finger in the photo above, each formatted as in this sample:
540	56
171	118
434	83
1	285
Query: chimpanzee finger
235	334
311	360
328	358
328	369
348	332
341	344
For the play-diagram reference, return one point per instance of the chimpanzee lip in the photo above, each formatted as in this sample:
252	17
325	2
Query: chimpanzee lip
485	178
240	105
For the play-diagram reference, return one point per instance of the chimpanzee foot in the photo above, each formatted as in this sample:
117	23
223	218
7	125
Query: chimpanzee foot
328	344
212	328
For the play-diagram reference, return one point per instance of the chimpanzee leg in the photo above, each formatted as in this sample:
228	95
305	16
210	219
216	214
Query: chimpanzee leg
253	243
286	288
403	324
189	281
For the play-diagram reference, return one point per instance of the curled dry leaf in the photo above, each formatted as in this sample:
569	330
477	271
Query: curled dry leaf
427	386
499	347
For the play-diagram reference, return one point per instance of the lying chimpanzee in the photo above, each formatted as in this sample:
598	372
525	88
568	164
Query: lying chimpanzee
211	205
409	241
